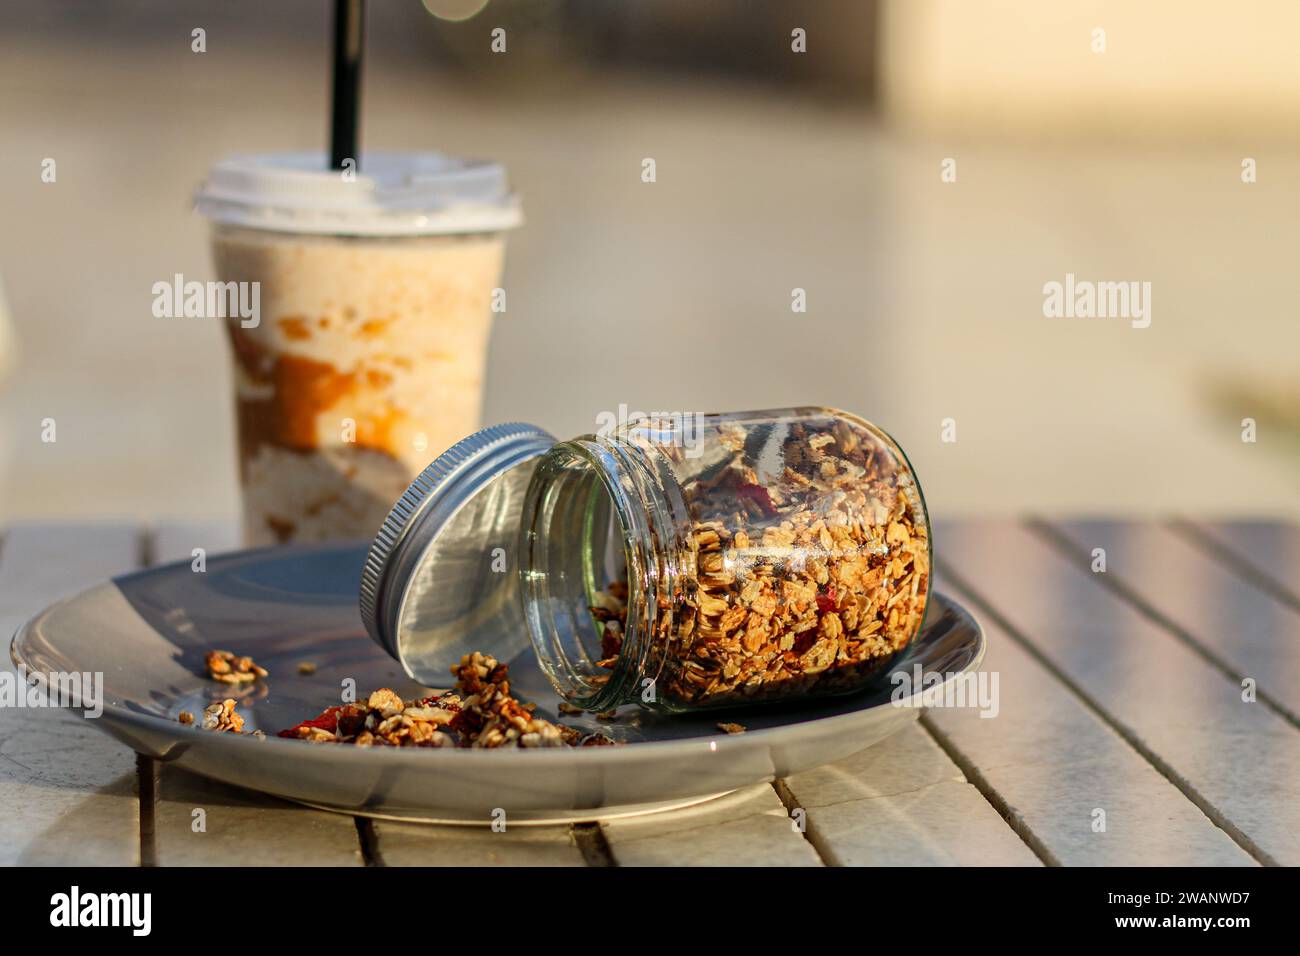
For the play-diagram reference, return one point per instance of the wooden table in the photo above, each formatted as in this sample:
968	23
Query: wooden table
1124	734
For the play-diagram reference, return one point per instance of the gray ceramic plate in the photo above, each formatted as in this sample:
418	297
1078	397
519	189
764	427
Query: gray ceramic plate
147	633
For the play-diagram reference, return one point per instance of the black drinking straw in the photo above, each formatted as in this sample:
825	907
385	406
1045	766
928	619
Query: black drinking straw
349	16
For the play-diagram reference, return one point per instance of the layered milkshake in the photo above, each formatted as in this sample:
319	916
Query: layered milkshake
367	359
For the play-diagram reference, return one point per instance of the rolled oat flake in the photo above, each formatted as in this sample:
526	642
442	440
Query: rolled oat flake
681	562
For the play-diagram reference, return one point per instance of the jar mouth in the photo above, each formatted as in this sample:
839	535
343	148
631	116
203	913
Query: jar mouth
584	531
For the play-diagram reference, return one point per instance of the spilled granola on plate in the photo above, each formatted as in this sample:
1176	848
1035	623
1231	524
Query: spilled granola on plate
480	713
230	668
221	717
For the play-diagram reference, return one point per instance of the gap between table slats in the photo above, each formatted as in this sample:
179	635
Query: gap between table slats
788	800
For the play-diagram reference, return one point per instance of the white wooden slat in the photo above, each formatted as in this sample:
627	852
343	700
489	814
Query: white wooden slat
903	802
1267	553
747	828
1054	763
1244	629
242	827
1237	761
415	844
68	791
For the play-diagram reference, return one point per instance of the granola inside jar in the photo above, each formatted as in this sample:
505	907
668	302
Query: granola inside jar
721	560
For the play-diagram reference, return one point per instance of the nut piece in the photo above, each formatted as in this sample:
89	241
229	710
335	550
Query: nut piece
385	702
223	718
185	717
732	728
229	669
306	668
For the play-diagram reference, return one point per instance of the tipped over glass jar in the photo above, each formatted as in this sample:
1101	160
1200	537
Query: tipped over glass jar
680	562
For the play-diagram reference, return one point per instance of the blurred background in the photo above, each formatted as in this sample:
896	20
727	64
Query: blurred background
776	170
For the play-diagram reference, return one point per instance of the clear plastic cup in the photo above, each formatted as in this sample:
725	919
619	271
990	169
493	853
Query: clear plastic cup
365	358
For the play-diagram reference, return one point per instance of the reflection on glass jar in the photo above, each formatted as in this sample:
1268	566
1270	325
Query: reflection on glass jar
724	559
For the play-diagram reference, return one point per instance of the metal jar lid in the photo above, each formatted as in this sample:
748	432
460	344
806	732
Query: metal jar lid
441	579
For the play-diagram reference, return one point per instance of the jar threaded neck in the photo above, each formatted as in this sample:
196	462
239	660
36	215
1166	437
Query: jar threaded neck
599	506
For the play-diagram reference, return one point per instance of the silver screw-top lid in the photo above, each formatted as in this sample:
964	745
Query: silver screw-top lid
441	578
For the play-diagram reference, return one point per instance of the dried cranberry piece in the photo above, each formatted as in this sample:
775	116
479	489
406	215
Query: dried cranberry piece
759	495
328	719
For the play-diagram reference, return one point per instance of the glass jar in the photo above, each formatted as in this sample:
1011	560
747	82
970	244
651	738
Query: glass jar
695	561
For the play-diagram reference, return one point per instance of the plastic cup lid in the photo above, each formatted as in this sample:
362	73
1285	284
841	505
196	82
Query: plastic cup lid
392	194
441	579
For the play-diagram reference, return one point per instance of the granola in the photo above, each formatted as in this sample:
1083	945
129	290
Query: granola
223	717
230	668
491	717
384	720
804	566
480	713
